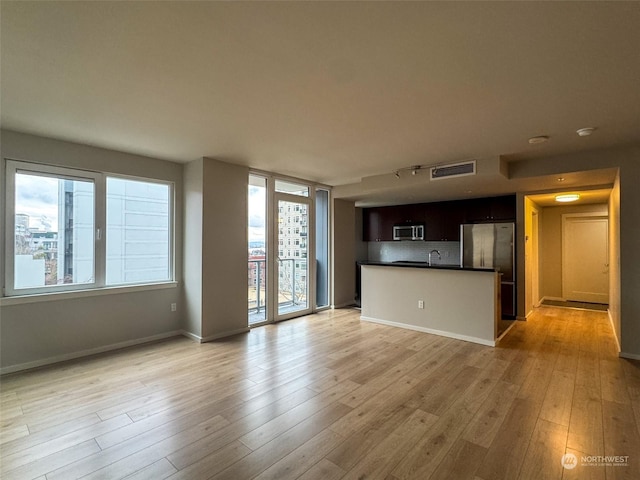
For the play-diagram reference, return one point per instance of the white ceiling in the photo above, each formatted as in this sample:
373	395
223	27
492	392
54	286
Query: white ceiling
331	91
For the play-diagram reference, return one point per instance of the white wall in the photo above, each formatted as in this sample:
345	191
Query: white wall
193	172
33	333
344	253
551	244
215	239
457	303
614	257
627	159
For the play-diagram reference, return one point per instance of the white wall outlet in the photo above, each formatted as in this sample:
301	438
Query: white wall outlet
420	303
173	307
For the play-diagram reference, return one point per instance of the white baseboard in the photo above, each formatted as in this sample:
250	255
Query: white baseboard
613	330
630	356
85	353
217	336
442	333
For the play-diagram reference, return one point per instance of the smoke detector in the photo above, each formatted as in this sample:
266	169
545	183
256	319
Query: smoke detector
585	132
538	139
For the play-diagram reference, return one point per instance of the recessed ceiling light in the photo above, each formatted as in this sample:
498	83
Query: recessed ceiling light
585	132
568	197
538	139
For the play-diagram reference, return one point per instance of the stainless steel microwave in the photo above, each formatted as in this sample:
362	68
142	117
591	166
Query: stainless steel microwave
408	232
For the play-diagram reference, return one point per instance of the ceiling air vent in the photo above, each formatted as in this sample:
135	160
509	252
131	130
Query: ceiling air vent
453	170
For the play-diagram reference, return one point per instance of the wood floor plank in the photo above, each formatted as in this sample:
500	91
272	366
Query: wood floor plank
211	443
302	458
585	426
51	462
613	381
545	451
620	439
583	471
213	462
485	424
270	430
359	444
151	444
323	470
382	458
506	453
49	434
156	471
423	459
461	462
327	396
261	459
27	455
556	406
11	434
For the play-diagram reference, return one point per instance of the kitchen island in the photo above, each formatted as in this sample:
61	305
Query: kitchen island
461	303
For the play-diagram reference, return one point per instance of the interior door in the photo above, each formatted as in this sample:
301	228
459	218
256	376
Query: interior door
293	260
585	259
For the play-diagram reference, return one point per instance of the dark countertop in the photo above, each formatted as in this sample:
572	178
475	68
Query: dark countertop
406	264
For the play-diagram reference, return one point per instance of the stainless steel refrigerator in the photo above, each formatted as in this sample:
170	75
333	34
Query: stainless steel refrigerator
491	246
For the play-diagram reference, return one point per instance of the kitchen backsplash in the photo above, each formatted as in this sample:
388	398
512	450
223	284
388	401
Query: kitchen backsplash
414	251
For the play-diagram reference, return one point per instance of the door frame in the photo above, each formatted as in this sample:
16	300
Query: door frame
565	218
274	263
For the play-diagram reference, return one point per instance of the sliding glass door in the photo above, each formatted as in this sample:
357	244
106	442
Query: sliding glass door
288	274
292	265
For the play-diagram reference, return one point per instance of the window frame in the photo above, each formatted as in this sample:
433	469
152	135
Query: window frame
171	227
99	180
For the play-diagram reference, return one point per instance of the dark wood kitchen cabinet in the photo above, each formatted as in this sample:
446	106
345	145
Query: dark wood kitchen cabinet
442	221
378	222
490	209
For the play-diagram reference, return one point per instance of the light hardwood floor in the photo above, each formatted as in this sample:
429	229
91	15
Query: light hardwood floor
329	397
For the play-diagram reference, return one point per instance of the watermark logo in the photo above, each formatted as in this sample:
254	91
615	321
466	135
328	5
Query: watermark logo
569	461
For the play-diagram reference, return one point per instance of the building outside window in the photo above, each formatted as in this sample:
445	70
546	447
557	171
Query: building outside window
60	231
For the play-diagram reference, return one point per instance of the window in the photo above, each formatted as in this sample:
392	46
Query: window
56	235
291	188
137	234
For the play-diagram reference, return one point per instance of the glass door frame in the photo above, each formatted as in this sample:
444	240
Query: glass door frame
271	236
275	263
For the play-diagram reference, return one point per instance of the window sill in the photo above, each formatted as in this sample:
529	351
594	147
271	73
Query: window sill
95	292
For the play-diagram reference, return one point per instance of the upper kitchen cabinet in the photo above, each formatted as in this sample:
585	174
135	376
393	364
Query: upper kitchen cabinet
378	222
442	221
490	209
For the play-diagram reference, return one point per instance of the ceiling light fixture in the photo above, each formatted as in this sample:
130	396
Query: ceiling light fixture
585	132
413	169
538	139
560	179
567	197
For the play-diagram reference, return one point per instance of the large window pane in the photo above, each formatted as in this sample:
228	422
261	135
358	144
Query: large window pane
293	269
257	265
138	233
322	248
291	188
54	231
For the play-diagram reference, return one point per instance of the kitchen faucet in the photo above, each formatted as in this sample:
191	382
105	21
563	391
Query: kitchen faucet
434	251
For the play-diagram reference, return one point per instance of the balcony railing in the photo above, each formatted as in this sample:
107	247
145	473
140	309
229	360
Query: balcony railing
292	286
